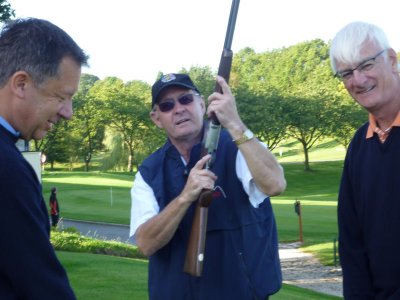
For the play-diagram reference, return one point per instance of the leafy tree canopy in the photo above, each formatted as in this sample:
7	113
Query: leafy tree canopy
6	12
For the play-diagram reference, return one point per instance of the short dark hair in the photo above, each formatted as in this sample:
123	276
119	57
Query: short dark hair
37	47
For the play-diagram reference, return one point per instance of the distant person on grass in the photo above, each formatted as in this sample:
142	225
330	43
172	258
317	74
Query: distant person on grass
369	195
54	207
241	258
40	68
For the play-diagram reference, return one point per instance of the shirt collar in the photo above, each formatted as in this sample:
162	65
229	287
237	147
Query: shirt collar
373	124
8	127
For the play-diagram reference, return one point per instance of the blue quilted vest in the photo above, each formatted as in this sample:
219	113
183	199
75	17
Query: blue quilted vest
241	259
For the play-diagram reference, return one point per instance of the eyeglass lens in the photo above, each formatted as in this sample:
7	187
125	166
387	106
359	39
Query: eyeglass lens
169	104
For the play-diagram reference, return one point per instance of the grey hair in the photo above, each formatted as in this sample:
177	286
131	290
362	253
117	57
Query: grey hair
347	44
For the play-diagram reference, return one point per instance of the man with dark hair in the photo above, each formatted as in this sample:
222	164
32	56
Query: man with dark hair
40	68
241	258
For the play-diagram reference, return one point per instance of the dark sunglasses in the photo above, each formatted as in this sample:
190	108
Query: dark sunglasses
168	104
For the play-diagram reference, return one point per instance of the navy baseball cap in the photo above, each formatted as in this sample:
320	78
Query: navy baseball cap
182	80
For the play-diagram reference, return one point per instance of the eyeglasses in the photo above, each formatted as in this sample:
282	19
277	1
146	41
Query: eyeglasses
169	104
363	67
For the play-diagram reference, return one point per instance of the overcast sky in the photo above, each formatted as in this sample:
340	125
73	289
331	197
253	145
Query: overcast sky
135	39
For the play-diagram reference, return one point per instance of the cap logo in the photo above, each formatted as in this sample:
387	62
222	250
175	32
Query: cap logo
168	78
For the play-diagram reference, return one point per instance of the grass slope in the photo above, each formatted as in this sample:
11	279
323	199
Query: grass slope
101	277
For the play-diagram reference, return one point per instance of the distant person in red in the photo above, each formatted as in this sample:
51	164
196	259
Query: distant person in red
54	207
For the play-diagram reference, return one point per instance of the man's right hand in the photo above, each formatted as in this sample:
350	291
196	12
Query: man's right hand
199	179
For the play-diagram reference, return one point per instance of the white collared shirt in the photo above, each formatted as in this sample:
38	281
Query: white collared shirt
8	126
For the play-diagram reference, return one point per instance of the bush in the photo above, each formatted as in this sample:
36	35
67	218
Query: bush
74	242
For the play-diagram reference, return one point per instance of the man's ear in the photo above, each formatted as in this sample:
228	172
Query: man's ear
203	104
392	56
154	115
19	82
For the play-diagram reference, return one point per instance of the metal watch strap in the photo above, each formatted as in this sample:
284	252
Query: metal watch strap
247	136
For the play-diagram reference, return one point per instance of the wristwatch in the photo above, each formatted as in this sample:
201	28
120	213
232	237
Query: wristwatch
247	135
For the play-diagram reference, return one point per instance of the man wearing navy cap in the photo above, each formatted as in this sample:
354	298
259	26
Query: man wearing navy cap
241	258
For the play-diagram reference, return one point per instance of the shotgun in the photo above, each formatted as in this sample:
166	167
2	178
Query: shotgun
195	248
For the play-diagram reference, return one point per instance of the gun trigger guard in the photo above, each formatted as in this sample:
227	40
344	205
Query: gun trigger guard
220	189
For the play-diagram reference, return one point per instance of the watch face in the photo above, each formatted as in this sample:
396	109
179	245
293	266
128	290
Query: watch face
248	134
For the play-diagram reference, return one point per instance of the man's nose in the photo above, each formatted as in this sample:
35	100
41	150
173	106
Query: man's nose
358	76
66	110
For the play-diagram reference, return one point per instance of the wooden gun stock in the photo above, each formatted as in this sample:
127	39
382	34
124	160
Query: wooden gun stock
195	249
197	240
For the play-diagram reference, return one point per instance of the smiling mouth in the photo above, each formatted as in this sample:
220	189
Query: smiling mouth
366	90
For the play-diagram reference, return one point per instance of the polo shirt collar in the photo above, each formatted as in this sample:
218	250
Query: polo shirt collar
373	124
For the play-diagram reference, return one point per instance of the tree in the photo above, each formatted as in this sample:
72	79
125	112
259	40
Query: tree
308	122
259	106
115	159
56	145
87	127
347	118
264	114
6	12
125	108
203	78
301	76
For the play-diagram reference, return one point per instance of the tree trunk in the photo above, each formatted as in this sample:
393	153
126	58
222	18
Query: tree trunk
130	159
306	159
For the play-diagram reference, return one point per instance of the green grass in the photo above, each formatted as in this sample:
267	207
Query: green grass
290	292
101	277
326	252
317	192
91	196
106	197
325	150
97	277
